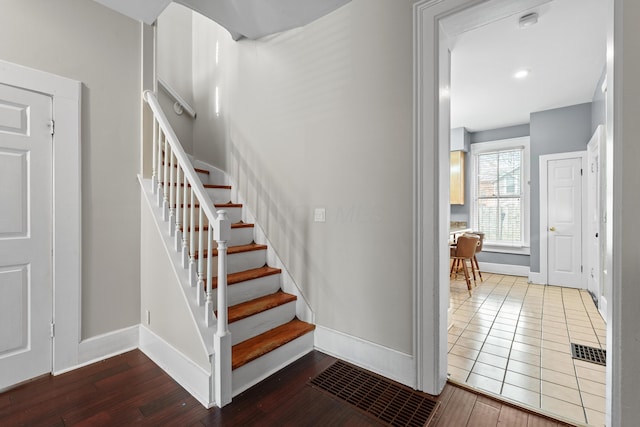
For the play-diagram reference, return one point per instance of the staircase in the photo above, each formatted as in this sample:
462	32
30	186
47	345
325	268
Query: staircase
262	317
264	329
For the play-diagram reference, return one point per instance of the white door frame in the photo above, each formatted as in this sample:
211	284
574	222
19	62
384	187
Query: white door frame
430	141
544	224
66	94
598	139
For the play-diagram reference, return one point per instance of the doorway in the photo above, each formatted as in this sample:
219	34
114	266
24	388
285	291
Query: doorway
65	95
432	103
563	211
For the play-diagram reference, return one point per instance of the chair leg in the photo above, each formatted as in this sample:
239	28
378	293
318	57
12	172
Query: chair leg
475	260
473	269
466	276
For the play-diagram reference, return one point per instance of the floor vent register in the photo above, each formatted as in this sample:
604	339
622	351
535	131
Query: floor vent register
386	400
589	354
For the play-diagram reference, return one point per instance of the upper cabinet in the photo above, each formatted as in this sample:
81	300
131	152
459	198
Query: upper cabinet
456	194
459	145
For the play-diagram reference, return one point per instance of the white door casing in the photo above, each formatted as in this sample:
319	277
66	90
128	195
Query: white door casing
562	216
595	225
66	174
25	235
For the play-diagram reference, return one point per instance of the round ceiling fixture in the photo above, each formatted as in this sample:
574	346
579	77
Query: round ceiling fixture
528	20
521	74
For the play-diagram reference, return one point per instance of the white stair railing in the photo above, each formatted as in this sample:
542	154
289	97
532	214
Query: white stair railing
180	193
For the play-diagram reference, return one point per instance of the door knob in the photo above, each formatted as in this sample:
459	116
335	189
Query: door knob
552	229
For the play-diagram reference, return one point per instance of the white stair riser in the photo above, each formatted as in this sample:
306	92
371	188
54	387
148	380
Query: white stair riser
241	261
219	195
204	177
251	289
259	369
234	215
239	237
261	322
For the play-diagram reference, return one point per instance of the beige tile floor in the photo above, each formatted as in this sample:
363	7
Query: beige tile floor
512	338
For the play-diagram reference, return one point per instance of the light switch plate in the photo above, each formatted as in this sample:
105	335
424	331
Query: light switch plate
319	215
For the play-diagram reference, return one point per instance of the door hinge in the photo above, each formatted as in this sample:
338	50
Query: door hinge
580	171
52	126
53	330
581	269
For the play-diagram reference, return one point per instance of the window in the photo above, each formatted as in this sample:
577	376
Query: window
500	192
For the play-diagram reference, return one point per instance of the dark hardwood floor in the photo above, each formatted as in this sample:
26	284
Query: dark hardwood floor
131	390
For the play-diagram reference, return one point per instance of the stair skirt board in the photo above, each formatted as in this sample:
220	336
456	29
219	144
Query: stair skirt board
259	369
192	377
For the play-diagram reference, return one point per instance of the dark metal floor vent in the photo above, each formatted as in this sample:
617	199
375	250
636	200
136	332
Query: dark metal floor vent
386	400
589	354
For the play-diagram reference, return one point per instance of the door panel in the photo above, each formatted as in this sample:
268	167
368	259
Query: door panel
564	219
25	235
595	229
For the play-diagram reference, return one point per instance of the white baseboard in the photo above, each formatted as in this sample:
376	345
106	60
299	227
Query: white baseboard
192	377
537	278
382	360
104	346
511	270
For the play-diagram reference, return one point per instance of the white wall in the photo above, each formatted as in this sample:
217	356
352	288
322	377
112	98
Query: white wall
174	62
626	211
170	317
321	117
84	41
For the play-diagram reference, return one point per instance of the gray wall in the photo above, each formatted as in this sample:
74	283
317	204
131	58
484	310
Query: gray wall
462	213
85	41
598	104
560	130
321	116
174	62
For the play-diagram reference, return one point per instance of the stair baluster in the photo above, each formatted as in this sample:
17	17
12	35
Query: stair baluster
192	246
154	176
178	240
159	162
208	306
185	226
165	199
172	194
222	340
200	286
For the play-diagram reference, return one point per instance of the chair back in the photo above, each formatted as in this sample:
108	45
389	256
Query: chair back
466	246
479	234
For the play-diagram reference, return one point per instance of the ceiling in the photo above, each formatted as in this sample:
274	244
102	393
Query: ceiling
565	53
251	19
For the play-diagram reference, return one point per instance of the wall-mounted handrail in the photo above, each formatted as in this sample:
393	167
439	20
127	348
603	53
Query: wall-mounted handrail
180	105
179	193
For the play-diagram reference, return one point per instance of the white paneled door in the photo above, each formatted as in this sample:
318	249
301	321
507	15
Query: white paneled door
25	235
564	222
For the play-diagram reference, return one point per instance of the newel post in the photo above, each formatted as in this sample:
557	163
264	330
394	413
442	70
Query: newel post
222	341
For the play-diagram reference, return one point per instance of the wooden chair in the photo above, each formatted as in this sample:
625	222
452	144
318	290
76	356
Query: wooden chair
464	250
474	260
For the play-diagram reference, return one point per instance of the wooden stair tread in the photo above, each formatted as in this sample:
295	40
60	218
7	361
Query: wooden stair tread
258	305
251	349
217	205
222	187
206	227
234	250
243	276
204	171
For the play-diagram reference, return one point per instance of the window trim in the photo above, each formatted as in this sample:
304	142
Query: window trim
500	145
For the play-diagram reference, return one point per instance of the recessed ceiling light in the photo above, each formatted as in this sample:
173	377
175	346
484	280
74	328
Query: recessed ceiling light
521	74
